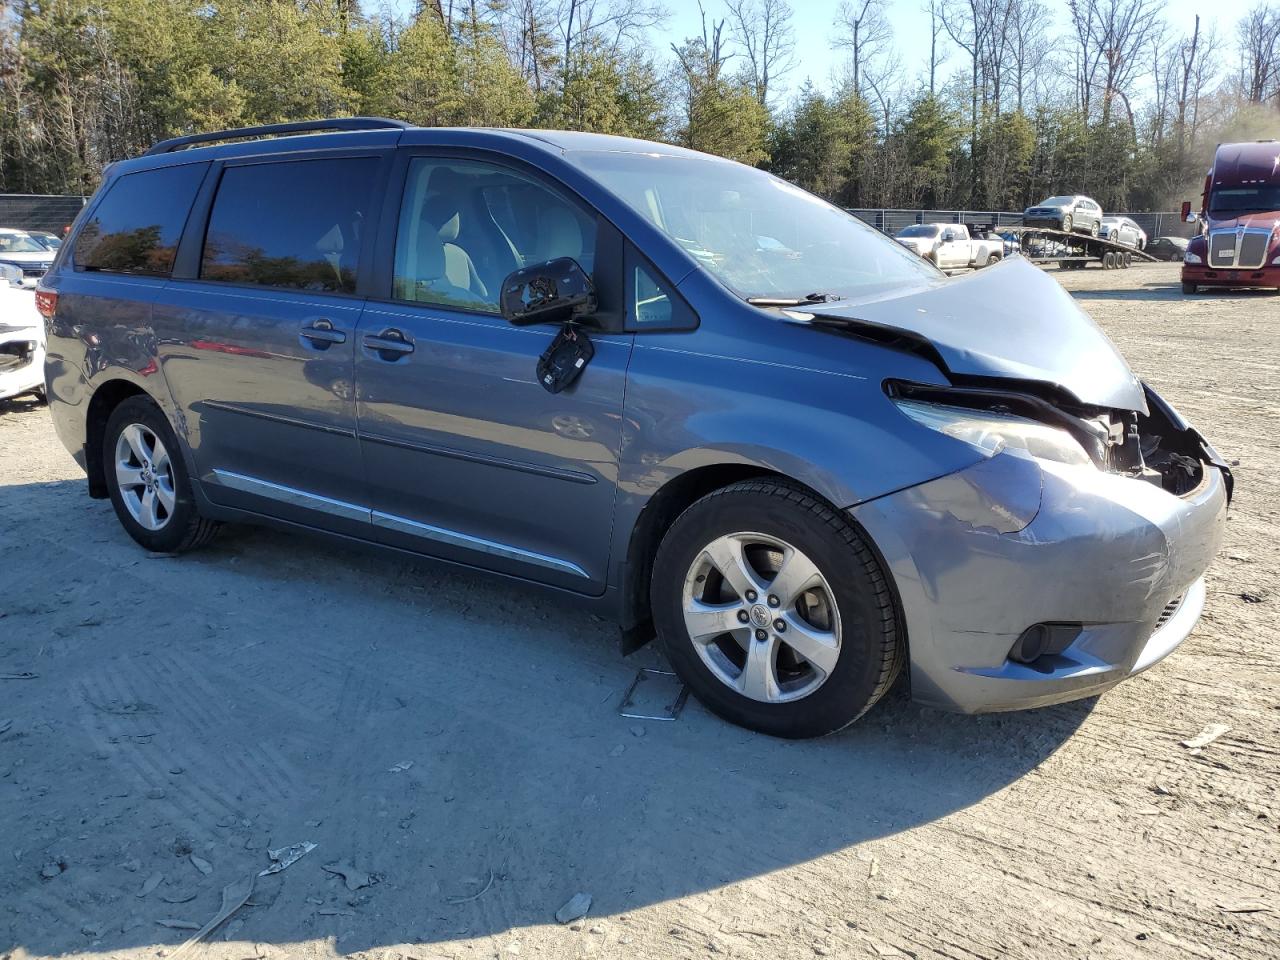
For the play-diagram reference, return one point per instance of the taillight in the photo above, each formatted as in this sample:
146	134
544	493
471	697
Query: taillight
46	303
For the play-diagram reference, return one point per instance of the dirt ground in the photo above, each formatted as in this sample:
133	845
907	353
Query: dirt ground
455	743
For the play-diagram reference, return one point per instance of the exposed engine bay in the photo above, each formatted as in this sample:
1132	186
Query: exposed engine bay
1157	446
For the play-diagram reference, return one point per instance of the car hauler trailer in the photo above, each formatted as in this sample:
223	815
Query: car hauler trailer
1072	251
1239	240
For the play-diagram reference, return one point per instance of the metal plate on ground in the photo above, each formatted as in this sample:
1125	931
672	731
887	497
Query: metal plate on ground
654	695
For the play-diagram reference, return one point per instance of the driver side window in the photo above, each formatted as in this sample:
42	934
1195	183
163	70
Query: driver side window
465	225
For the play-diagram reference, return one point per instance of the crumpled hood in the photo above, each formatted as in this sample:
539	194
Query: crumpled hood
1011	321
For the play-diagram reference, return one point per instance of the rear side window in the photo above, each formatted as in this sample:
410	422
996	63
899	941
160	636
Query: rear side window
296	224
137	225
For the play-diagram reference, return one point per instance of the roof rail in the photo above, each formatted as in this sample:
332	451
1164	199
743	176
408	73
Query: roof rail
276	129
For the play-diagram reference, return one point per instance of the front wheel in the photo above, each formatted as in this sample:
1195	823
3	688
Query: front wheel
1066	223
774	610
147	480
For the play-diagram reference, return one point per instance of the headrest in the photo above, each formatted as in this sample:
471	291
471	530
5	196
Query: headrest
331	241
430	254
441	212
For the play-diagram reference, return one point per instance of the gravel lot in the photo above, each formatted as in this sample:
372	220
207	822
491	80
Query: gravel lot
188	714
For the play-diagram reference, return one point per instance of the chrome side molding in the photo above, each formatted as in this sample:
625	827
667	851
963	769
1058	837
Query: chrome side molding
388	521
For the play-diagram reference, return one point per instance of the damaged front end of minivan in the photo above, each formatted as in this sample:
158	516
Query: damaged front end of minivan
1072	555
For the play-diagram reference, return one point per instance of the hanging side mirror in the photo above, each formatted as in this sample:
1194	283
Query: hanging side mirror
1187	215
554	291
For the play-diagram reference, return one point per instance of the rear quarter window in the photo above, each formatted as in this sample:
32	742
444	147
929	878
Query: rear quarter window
136	226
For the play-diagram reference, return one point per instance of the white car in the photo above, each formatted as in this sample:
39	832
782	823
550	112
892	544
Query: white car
1122	230
19	249
21	338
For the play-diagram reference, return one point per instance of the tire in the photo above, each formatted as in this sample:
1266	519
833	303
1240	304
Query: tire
992	259
1189	289
1093	230
1067	223
138	435
1128	259
1108	260
847	617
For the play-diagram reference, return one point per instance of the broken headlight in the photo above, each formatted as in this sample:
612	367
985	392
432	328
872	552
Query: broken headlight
994	433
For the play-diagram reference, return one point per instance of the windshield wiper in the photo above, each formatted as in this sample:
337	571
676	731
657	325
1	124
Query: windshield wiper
793	301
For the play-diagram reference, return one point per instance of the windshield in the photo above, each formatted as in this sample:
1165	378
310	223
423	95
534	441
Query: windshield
759	235
1058	202
1232	201
48	240
19	243
920	230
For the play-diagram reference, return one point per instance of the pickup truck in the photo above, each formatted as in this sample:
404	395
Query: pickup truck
949	245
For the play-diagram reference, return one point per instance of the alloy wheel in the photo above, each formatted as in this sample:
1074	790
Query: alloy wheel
144	474
762	617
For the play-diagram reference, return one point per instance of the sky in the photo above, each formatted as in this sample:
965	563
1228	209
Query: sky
814	21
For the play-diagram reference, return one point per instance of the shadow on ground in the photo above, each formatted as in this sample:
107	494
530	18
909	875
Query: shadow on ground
1167	291
264	692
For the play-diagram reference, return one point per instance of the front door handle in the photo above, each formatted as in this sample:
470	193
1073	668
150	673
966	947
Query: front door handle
321	334
389	344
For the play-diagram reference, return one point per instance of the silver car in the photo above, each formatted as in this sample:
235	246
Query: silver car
1123	230
671	387
1072	214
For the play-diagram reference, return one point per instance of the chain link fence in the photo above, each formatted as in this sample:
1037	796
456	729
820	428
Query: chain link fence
29	211
891	221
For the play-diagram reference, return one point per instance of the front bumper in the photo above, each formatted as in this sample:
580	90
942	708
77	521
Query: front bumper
981	555
1043	221
1204	276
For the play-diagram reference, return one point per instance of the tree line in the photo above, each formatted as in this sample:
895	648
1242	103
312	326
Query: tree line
1014	103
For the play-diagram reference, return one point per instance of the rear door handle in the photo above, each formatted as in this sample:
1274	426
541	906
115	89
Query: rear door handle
321	333
389	344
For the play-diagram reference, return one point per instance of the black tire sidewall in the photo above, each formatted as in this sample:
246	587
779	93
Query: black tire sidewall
868	635
173	535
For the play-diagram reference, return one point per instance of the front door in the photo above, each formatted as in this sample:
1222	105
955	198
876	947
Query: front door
467	457
258	345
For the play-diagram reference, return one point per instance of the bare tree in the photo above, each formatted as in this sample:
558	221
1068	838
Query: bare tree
1259	35
1025	43
1112	35
763	29
865	33
969	24
936	29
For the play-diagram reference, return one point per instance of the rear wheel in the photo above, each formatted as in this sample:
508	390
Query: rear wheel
1189	288
773	608
993	258
147	480
1093	230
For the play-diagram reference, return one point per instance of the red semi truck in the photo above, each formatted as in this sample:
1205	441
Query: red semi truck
1239	240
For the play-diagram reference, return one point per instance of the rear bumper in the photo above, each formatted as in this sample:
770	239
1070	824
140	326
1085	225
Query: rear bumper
1208	277
981	555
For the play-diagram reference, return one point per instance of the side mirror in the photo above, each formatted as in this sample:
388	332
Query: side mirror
549	292
948	236
1187	215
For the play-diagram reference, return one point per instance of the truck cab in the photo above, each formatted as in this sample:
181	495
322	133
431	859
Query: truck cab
1239	240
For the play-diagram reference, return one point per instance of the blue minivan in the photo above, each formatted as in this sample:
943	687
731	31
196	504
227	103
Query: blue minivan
681	389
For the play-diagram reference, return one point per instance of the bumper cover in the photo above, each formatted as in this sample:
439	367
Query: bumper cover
1233	277
980	555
